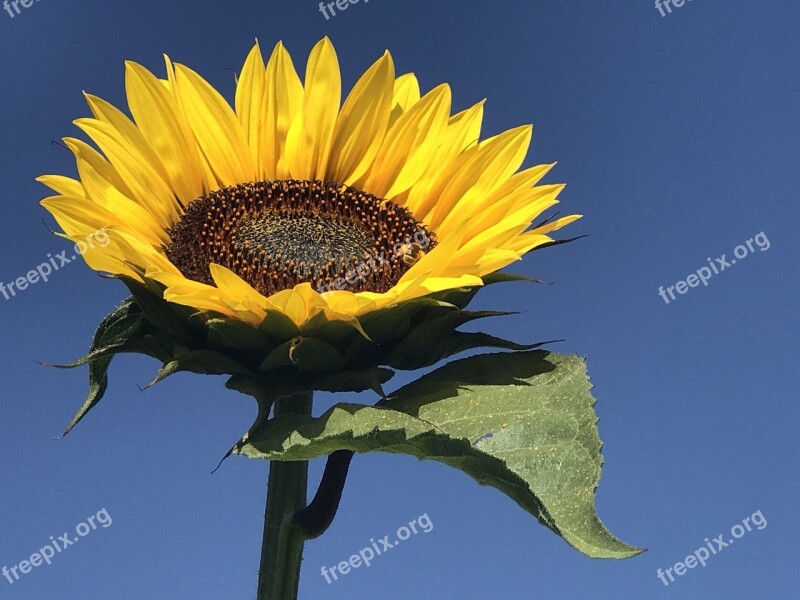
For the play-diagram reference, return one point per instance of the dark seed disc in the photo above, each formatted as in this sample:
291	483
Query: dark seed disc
277	234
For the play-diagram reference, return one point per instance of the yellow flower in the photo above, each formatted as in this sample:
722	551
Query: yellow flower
290	202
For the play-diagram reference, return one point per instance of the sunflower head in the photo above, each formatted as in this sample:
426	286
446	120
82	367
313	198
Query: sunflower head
293	216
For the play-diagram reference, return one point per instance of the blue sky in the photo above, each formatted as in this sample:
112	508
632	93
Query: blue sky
678	139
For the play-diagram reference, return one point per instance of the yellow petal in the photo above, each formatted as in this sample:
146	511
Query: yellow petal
210	180
282	101
343	302
410	145
158	117
249	101
144	182
461	130
487	168
292	304
97	162
436	284
126	130
516	191
100	260
437	261
135	249
362	123
203	298
308	144
528	241
101	253
406	94
77	216
236	288
62	185
101	190
498	233
215	127
544	196
556	224
496	259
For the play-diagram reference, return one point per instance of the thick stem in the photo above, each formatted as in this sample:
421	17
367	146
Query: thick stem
282	550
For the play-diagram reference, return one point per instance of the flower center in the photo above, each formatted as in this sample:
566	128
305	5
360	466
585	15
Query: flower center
277	234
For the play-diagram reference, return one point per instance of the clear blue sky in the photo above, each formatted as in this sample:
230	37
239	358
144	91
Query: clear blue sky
678	137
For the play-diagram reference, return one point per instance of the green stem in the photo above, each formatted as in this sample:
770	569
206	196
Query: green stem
282	549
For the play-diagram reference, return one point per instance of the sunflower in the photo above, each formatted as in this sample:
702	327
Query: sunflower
292	203
294	244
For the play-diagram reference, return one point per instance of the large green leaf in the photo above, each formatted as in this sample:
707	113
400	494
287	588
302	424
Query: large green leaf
521	422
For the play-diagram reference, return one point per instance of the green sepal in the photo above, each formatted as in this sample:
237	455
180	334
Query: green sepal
145	344
202	362
239	339
454	343
461	297
322	354
429	342
337	332
502	277
169	317
392	323
114	332
278	327
305	354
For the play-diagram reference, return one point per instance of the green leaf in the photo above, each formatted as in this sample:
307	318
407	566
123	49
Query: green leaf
282	383
355	381
521	422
